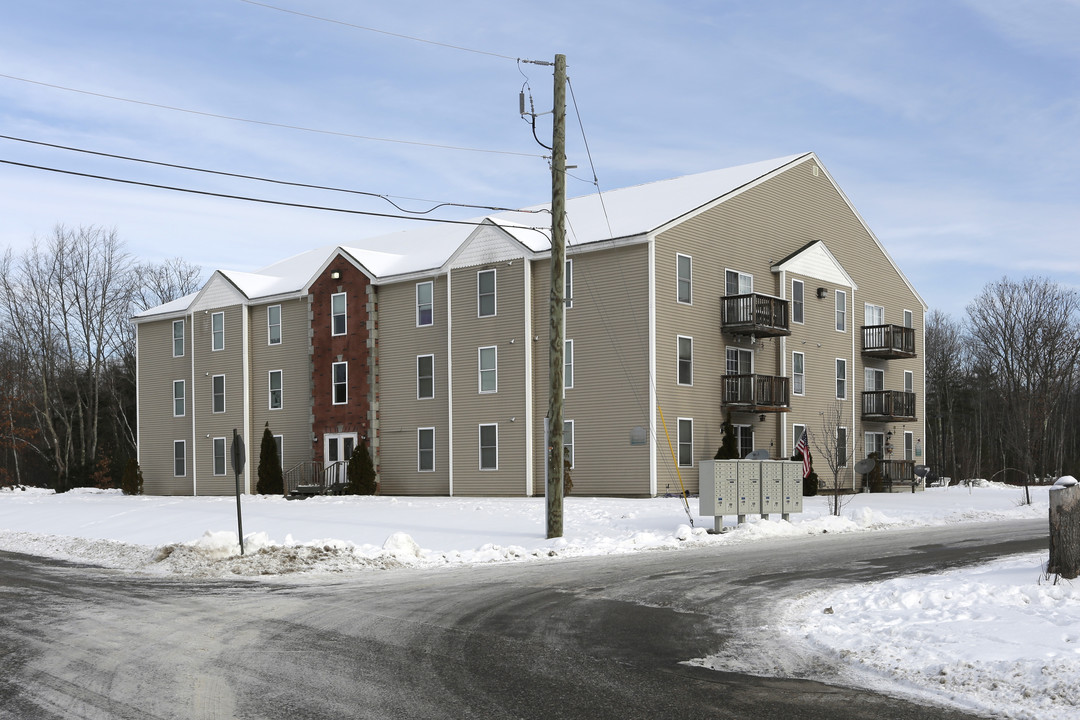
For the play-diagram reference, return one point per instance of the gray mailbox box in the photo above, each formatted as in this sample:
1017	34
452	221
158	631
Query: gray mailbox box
748	487
793	488
772	487
718	486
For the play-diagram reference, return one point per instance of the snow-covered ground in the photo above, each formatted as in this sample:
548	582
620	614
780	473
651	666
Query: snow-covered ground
1001	639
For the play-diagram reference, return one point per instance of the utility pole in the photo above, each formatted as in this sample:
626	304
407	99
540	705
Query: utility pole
558	268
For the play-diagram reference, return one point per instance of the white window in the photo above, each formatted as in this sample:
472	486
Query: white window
841	447
875	314
738	283
273	325
568	364
179	398
874	442
797	301
425	449
909	381
684	277
218	392
744	436
489	373
489	447
340	376
909	446
797	431
907	318
179	458
425	377
338	305
275	390
841	379
568	441
798	373
568	285
217	323
740	361
279	440
686	442
485	293
841	311
686	360
425	303
219	456
874	379
178	338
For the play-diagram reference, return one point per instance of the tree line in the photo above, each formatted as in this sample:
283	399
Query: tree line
67	354
1001	384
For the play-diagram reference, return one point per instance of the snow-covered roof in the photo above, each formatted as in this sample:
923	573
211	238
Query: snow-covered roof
616	214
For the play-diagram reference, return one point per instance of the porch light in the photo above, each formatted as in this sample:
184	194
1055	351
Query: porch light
335	275
822	292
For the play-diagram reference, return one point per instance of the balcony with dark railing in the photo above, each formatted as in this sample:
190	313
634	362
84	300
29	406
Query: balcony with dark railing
888	341
755	314
888	405
757	393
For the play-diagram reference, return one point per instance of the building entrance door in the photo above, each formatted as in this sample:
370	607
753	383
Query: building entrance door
337	449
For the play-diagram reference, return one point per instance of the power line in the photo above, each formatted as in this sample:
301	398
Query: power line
376	30
263	201
269	180
267	123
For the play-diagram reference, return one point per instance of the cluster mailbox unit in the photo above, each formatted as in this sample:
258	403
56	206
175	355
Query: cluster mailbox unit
749	487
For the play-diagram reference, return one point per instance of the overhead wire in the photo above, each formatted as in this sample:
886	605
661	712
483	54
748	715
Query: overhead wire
267	123
241	176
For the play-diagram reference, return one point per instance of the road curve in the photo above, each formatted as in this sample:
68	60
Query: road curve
590	638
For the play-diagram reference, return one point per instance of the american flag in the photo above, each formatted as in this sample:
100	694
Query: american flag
804	448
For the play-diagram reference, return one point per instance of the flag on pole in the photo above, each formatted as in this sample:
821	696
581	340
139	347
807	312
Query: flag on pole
804	448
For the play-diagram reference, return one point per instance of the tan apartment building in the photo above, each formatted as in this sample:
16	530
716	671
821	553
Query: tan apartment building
755	294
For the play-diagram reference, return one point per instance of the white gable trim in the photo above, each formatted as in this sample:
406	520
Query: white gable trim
337	251
815	261
218	292
487	244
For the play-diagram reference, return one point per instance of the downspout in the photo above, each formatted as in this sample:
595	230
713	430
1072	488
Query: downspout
138	402
652	367
783	368
449	384
527	269
851	381
194	445
246	424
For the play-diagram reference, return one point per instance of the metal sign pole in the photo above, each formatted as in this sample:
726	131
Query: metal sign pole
238	458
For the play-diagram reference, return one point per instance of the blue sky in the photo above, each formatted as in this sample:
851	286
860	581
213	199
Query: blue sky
952	125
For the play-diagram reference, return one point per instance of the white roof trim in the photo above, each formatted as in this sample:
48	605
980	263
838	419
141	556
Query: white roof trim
816	261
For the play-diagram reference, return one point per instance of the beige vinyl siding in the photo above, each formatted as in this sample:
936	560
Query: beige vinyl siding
208	363
400	412
158	429
609	326
293	359
506	408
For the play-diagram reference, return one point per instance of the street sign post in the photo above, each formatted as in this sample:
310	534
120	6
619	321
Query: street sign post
239	457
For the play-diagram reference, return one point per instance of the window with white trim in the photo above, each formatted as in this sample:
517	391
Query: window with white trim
873	379
217	388
425	449
684	278
685	438
797	431
744	438
686	360
485	293
179	396
179	458
219	456
907	318
276	392
489	447
841	311
797	302
841	446
874	314
425	303
178	338
568	364
909	445
874	442
739	361
339	373
841	379
488	358
217	324
425	377
273	325
798	373
338	313
738	283
909	381
568	441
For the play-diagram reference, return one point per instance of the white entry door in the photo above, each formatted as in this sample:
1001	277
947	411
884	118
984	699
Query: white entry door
338	447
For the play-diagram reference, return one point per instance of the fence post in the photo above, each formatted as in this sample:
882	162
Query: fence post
1065	528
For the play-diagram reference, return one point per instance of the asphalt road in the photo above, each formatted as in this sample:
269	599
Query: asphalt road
587	638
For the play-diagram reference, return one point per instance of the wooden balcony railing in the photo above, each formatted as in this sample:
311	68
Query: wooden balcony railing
757	393
888	341
317	478
902	471
755	314
888	405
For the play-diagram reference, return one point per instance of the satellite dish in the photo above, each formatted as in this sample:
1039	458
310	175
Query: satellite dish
921	471
757	455
865	467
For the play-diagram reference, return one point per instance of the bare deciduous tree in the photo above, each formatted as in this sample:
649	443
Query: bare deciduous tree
836	449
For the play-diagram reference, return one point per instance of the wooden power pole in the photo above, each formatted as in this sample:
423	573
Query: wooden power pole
558	268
